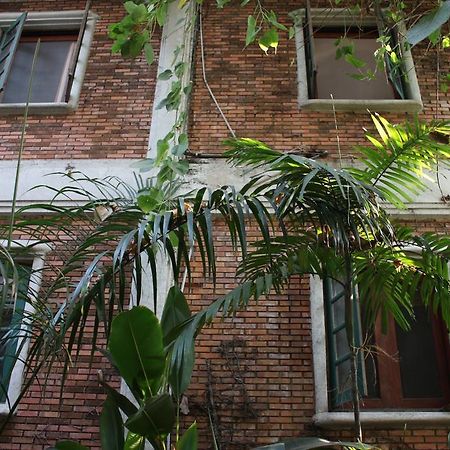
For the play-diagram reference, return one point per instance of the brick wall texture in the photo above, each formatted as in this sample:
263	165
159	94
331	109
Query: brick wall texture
114	113
255	369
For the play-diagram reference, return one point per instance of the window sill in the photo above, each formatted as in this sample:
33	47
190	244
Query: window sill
36	108
383	419
410	106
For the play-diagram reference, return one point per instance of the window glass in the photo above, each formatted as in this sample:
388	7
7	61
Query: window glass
417	358
334	76
50	73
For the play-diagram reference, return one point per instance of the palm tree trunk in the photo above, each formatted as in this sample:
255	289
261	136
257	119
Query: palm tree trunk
350	328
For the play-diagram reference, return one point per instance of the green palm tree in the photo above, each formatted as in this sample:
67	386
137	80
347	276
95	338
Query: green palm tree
312	218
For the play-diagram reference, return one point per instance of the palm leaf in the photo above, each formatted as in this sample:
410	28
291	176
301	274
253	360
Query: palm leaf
400	158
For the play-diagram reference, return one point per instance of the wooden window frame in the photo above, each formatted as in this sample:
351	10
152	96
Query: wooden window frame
389	374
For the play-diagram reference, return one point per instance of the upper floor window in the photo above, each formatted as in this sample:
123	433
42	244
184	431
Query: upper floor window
337	68
60	61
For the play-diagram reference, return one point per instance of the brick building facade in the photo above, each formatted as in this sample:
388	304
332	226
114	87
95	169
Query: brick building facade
263	372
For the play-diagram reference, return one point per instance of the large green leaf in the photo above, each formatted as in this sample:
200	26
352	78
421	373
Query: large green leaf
134	442
176	311
120	400
189	440
111	426
429	23
155	419
136	346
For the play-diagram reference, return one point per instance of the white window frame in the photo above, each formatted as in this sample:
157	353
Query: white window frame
48	21
324	417
343	17
37	256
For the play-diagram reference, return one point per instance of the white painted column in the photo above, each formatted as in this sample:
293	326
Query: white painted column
177	44
177	36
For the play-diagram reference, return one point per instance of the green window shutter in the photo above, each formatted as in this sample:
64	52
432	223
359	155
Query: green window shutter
10	326
339	354
8	45
395	70
311	68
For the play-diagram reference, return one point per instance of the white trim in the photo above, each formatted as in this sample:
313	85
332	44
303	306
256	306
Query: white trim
37	254
341	17
212	173
383	419
58	20
319	344
178	32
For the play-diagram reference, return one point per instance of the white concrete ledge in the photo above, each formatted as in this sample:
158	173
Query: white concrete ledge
36	108
383	419
404	106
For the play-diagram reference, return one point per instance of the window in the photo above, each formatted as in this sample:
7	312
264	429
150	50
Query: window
12	318
397	369
15	321
60	62
326	82
405	382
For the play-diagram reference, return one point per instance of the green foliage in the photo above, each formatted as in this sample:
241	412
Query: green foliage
137	350
189	440
176	311
111	426
397	161
269	40
154	419
131	35
430	24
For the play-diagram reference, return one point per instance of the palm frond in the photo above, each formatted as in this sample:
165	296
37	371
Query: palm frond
304	192
402	158
391	280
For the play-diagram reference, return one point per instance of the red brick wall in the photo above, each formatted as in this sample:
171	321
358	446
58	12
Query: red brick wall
261	361
258	93
260	368
114	112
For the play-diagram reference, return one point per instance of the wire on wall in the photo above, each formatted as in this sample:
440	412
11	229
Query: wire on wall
211	93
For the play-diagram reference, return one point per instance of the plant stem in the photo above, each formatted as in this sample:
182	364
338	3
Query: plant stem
21	146
350	327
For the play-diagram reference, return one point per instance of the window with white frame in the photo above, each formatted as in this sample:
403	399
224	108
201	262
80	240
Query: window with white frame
59	61
403	376
337	68
17	294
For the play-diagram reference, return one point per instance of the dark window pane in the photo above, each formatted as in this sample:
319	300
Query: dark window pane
417	357
49	73
343	375
334	75
371	369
